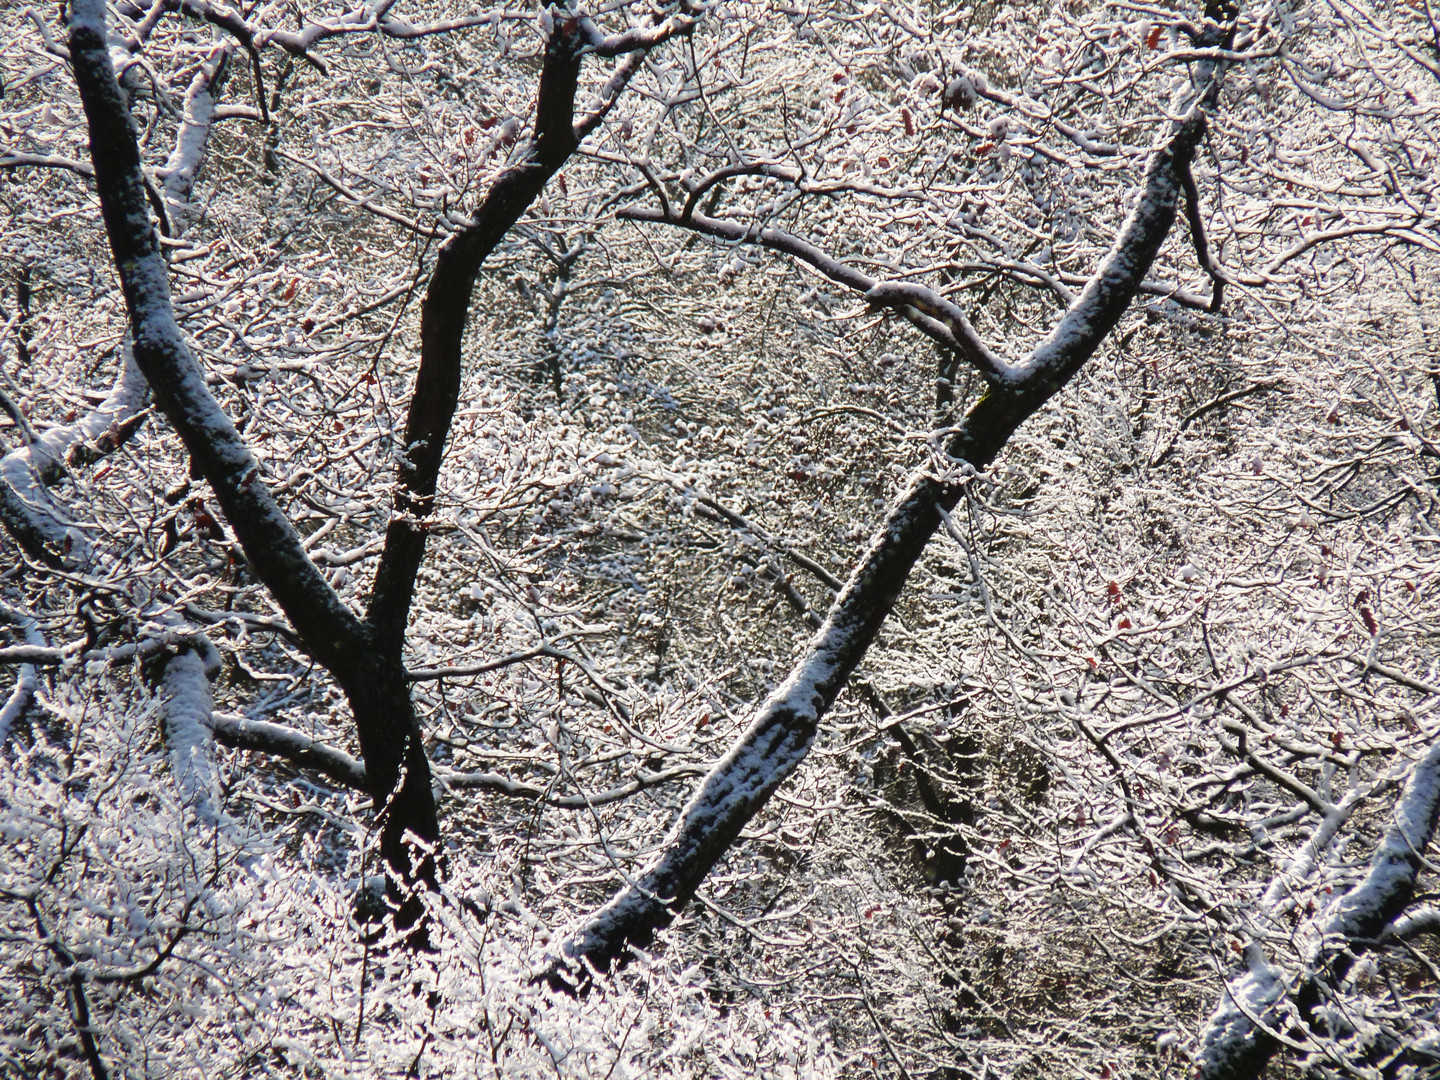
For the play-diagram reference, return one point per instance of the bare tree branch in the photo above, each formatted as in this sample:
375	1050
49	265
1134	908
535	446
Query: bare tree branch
784	728
378	693
1243	1033
447	298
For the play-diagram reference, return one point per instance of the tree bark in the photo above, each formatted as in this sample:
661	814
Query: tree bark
373	681
442	331
784	729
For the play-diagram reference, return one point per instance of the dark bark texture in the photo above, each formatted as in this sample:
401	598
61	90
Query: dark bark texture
364	656
442	331
373	681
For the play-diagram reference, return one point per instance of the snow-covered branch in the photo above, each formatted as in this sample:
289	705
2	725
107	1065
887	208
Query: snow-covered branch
784	727
397	768
39	524
161	352
177	178
23	692
1245	1030
185	704
243	733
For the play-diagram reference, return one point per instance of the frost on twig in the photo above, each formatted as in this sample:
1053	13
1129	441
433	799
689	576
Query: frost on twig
1245	1030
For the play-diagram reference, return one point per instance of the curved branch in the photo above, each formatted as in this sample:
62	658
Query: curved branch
442	329
784	727
1218	277
930	312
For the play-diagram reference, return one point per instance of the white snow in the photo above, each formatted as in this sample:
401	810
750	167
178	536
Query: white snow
190	732
180	171
26	473
24	688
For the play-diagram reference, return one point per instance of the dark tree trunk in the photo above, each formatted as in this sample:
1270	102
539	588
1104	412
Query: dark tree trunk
374	680
365	657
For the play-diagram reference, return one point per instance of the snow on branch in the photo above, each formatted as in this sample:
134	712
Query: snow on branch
378	18
243	733
40	525
189	728
38	522
1245	1030
24	688
14	159
178	177
251	37
930	312
784	727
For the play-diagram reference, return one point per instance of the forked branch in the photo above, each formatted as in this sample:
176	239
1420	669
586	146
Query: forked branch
784	727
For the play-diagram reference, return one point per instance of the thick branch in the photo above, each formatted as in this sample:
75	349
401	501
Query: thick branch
447	304
251	38
24	689
177	178
634	44
389	732
784	728
1233	1045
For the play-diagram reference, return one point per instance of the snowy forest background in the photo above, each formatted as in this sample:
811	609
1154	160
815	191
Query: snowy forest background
1136	779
